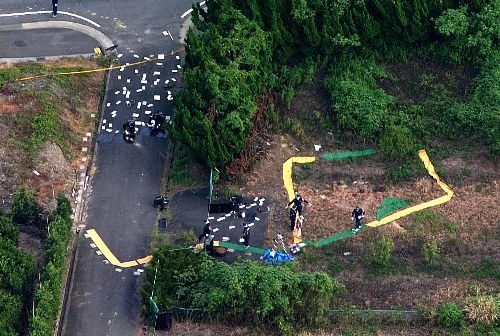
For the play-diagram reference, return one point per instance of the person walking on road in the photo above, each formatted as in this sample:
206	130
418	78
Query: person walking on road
246	235
54	8
357	214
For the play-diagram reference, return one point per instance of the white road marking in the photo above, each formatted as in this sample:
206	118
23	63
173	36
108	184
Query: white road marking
190	10
50	12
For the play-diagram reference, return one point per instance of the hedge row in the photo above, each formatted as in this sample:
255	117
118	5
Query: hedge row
48	294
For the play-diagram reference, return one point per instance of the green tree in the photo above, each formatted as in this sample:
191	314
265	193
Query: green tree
227	69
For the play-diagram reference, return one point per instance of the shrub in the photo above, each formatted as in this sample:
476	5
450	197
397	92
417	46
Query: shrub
25	209
380	251
8	231
450	315
430	251
397	142
483	309
361	107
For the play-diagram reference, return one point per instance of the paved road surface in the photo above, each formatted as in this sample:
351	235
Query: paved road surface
44	42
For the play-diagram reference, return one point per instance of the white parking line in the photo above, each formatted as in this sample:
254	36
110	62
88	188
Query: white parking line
50	12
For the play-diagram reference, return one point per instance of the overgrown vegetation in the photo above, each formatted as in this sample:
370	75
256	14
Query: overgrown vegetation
246	292
48	294
243	49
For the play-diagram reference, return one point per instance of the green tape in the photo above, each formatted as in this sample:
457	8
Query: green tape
389	204
348	154
241	248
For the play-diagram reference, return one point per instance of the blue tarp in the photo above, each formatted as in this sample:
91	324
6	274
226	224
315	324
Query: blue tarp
278	258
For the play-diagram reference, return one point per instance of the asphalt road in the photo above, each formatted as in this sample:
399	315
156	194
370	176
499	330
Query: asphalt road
44	42
104	299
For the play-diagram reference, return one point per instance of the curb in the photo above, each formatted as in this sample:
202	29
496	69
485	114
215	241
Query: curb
102	39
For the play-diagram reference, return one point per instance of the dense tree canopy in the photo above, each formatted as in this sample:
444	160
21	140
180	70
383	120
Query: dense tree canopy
242	49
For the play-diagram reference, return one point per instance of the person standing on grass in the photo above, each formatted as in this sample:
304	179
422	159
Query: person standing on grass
297	202
357	214
54	8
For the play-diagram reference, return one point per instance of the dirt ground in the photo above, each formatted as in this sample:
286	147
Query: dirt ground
53	168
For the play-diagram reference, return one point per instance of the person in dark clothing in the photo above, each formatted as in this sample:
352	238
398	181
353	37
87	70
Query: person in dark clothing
357	214
293	218
246	235
209	243
54	8
297	202
161	201
207	231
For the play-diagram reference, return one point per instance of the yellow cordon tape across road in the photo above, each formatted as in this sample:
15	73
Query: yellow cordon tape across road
116	67
287	180
110	256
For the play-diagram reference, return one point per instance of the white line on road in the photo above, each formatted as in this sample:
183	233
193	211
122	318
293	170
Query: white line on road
50	12
186	13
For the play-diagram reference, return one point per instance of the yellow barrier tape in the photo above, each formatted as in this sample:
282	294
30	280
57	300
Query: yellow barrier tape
97	70
443	199
104	249
287	172
287	180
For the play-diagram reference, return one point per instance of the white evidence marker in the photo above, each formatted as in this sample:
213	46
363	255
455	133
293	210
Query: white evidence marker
117	92
150	105
178	66
174	70
136	56
118	102
173	79
225	238
104	121
135	115
147	112
215	230
122	68
136	71
144	102
128	80
109	130
146	58
177	57
103	127
110	125
169	97
159	63
156	73
161	56
157	97
108	104
119	55
138	90
231	227
119	77
220	219
165	33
